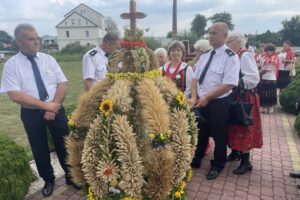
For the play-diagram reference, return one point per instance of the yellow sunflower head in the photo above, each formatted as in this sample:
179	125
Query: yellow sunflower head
152	136
106	107
180	98
71	122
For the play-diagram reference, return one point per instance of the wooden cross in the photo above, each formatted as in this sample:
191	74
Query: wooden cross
133	15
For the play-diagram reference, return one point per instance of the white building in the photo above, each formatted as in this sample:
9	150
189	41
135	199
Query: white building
83	25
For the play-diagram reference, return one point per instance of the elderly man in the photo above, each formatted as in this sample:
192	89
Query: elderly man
95	61
217	72
35	81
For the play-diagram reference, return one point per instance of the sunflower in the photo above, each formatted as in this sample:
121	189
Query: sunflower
71	122
180	98
106	107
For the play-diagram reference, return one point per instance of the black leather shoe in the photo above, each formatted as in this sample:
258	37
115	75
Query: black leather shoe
196	163
298	186
295	174
73	184
47	189
212	174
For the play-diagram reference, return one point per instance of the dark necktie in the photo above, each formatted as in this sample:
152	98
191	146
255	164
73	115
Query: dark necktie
38	79
206	66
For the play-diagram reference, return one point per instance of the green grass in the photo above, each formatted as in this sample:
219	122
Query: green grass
10	122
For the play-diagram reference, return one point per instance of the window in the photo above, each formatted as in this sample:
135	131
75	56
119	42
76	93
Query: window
86	22
88	44
73	21
87	34
79	22
66	23
67	34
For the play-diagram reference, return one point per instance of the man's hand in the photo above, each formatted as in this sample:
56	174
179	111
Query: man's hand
52	107
192	101
202	102
49	116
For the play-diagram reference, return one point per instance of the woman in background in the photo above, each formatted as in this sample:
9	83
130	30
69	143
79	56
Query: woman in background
201	46
286	61
242	139
177	70
162	56
268	73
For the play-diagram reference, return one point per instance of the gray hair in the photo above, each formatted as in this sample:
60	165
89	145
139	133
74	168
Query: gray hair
176	44
110	37
239	38
202	45
161	51
21	28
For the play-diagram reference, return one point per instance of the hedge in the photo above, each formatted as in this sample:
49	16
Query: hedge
297	125
289	96
15	172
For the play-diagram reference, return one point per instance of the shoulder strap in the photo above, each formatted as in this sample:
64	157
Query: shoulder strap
93	52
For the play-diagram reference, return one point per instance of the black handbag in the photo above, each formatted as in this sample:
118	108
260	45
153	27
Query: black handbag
240	110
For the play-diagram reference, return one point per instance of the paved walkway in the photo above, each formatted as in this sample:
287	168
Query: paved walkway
268	180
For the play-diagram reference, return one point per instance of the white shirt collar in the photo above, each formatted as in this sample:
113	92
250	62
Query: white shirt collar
100	51
221	49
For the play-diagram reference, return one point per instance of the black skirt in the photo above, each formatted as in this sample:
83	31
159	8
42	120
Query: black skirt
283	79
267	93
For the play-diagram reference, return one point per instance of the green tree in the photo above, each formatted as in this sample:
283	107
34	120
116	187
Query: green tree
187	35
152	43
269	36
5	37
291	30
223	17
198	25
111	26
169	34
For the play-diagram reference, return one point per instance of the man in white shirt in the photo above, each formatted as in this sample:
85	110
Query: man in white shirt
219	71
95	61
36	82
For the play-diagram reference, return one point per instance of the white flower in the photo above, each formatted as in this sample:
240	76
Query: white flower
178	76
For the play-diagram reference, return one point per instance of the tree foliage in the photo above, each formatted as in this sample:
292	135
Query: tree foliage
111	26
198	25
74	48
291	30
5	37
152	43
188	35
223	17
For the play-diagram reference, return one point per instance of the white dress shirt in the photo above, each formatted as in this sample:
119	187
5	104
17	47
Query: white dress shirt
223	69
95	66
18	75
188	76
249	70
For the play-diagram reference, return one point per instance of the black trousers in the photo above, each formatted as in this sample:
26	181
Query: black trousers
36	128
216	115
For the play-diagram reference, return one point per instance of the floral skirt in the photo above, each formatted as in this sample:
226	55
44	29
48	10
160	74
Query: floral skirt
284	79
243	138
267	93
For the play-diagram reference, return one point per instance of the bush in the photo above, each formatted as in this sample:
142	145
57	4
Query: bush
291	94
69	109
75	48
15	171
297	125
152	43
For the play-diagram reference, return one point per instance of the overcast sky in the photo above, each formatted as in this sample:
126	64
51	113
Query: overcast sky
249	16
